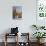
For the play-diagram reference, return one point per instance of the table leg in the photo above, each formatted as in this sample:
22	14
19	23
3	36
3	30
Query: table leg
5	40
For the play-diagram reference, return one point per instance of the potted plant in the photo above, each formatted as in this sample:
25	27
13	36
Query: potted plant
42	27
38	27
39	35
35	26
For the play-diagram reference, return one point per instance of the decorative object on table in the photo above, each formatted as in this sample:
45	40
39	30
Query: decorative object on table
17	12
14	30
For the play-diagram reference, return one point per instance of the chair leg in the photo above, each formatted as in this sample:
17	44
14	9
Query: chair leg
5	40
5	43
17	41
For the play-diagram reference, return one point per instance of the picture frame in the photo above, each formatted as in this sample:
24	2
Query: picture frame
17	12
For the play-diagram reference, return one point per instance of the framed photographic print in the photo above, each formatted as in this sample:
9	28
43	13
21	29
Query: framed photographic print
17	12
41	12
41	8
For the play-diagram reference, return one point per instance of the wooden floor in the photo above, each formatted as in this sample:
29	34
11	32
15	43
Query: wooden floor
13	44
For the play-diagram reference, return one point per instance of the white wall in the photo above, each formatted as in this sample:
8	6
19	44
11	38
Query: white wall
28	15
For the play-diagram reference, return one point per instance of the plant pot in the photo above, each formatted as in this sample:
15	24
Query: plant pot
40	41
